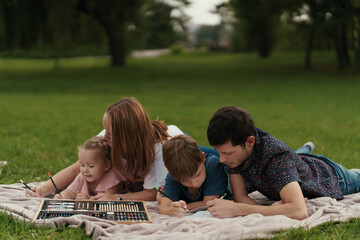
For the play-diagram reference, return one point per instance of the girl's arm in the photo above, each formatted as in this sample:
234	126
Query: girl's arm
62	179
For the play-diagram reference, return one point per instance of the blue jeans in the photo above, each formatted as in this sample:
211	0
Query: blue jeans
349	179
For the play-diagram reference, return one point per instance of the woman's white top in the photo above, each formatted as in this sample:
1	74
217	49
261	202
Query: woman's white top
158	171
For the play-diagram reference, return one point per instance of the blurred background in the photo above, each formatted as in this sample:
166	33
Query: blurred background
67	28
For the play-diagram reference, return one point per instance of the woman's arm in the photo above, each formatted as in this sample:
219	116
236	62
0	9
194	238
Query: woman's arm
62	179
144	195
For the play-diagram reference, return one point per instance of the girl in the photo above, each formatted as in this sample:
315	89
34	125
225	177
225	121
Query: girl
96	175
136	144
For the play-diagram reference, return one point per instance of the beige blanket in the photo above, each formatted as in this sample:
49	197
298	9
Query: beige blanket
14	202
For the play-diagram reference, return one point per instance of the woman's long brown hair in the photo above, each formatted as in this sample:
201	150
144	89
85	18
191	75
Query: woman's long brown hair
133	137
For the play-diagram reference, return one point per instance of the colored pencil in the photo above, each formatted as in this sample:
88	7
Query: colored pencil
224	195
57	190
26	185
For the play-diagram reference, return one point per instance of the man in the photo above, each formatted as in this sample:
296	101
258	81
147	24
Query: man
272	168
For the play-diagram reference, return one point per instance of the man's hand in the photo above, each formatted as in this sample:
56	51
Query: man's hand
221	208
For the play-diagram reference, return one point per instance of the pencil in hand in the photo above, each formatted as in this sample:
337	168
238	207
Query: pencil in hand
26	185
157	189
224	195
57	190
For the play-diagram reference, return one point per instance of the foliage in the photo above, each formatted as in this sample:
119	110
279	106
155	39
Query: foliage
159	26
47	28
38	28
260	18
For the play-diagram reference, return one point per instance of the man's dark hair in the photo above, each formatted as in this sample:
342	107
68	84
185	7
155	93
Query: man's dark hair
230	123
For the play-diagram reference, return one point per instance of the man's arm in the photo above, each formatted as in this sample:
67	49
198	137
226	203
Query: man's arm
293	205
238	186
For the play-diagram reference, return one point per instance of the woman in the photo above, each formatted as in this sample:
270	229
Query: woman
136	144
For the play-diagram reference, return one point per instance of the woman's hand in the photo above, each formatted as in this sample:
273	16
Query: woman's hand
37	192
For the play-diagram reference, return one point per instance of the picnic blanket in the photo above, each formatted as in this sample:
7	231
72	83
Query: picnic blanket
14	202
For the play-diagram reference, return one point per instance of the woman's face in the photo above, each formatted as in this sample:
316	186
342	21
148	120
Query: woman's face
106	124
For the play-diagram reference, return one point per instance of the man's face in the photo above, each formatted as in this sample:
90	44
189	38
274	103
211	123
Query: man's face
234	156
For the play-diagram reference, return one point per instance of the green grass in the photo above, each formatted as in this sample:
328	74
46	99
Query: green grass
46	112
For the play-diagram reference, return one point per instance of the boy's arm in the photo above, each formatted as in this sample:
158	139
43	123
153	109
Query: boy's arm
293	205
197	204
238	186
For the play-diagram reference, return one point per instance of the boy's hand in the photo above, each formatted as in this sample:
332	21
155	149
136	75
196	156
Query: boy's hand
178	209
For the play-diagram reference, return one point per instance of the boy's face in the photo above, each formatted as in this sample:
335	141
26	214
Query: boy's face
234	156
92	167
198	179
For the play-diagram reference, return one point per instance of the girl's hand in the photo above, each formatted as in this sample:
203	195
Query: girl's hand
81	196
58	196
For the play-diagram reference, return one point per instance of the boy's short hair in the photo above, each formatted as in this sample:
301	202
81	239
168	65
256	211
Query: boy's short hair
182	157
230	123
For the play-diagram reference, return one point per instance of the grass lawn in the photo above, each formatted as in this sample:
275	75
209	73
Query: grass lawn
47	112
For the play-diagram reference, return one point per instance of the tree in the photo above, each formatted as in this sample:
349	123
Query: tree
260	18
161	24
115	17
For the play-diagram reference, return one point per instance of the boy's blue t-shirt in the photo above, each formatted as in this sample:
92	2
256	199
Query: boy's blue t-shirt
215	183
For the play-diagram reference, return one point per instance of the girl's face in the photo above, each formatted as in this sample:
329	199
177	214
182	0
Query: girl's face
92	167
106	124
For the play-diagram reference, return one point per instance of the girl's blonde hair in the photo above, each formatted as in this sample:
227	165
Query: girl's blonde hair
133	137
99	144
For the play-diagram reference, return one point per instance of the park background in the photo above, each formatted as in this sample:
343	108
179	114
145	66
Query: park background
294	65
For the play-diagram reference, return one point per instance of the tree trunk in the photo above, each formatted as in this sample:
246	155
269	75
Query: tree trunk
309	48
115	27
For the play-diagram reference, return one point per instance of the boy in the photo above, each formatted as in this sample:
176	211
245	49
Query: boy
194	178
272	168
